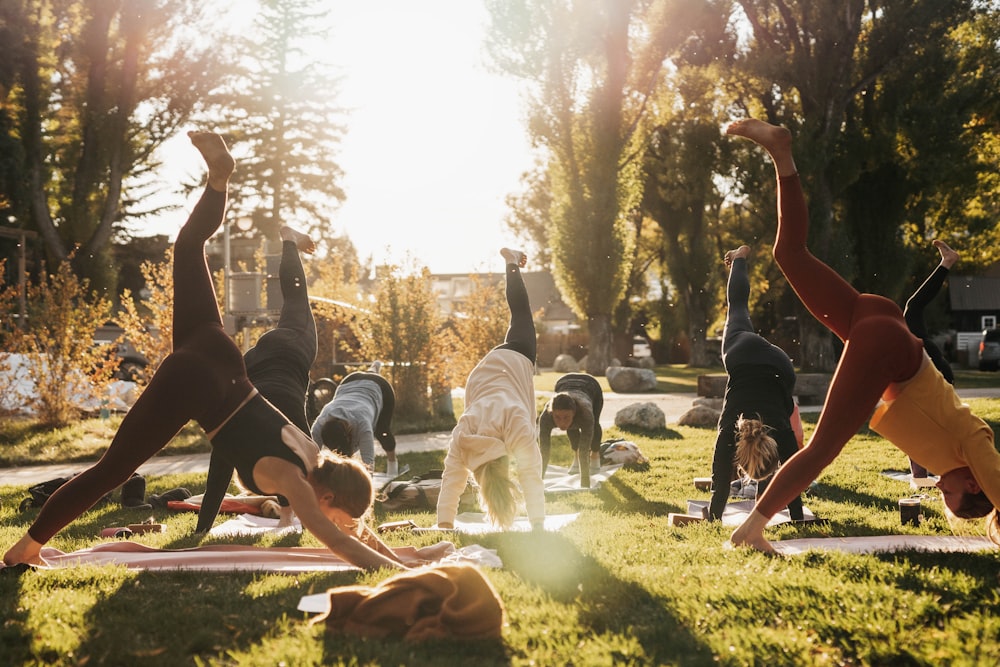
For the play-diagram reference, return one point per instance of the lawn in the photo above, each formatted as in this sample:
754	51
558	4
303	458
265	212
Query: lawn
617	586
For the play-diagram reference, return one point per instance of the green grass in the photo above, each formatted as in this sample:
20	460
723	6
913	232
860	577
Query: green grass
617	586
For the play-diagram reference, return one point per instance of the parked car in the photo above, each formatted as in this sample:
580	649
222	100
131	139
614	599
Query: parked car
640	347
989	350
132	363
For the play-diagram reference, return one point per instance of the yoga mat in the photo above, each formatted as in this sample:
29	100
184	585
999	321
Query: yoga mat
474	523
736	513
240	558
252	524
885	543
558	479
916	483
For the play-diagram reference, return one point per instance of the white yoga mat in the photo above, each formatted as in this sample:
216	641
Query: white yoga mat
474	523
240	558
736	513
885	543
558	479
250	524
915	482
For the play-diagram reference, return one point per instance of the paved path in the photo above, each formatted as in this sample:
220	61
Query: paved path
673	406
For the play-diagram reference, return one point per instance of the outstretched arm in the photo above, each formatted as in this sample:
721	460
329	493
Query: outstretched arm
545	426
220	475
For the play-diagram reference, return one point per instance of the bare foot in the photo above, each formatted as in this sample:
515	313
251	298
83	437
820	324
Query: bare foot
948	256
302	241
742	251
514	257
750	533
217	157
777	141
26	550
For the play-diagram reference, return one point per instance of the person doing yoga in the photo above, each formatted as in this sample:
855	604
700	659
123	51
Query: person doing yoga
759	427
883	372
360	412
575	408
499	422
204	378
913	313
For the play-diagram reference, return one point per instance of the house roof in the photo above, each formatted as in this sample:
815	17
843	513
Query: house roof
974	293
541	287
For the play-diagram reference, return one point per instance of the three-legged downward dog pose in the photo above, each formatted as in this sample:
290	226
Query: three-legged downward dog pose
499	422
204	378
913	313
575	408
277	365
919	411
756	427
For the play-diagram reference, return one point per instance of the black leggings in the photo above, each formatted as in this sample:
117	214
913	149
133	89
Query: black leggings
278	365
203	379
914	316
521	330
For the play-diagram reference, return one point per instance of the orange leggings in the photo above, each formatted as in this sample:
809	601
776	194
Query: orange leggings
878	348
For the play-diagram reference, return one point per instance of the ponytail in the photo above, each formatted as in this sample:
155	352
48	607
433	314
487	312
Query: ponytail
756	450
498	494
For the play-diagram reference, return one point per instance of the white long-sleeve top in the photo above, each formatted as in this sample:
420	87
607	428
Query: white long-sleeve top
499	419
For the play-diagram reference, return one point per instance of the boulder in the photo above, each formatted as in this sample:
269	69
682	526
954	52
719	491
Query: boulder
641	417
565	363
700	416
714	403
624	380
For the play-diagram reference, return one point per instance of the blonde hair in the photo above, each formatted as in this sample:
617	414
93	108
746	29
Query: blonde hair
756	450
993	526
349	480
498	494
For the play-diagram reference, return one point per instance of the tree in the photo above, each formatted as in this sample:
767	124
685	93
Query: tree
590	68
280	106
879	98
400	326
96	87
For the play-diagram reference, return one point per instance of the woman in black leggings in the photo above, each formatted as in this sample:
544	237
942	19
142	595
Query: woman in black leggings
204	378
277	365
499	422
756	427
913	313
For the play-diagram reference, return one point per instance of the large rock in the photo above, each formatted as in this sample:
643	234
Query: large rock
714	403
641	417
700	416
565	363
624	380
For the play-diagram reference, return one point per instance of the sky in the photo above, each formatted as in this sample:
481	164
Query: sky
434	141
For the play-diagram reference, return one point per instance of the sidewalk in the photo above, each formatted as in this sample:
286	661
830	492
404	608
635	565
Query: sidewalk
673	406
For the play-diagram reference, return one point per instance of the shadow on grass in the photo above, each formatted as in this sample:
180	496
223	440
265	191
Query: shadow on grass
604	602
652	434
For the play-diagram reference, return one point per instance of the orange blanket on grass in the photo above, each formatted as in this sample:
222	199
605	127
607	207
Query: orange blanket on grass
449	601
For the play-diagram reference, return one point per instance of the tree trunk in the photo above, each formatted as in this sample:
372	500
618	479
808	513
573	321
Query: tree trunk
599	349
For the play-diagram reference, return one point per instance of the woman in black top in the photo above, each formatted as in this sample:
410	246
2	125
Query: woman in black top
575	408
756	431
204	378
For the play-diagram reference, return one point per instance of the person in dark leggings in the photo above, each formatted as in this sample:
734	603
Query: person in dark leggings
360	413
278	366
499	422
204	378
755	432
883	373
575	408
913	313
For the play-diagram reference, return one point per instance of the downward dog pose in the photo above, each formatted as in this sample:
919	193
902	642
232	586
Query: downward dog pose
757	425
499	422
360	412
913	313
204	378
575	408
919	411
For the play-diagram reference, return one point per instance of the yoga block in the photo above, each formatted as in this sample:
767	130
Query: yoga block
703	483
676	519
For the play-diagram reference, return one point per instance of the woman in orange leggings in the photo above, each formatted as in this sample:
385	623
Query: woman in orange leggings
883	368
